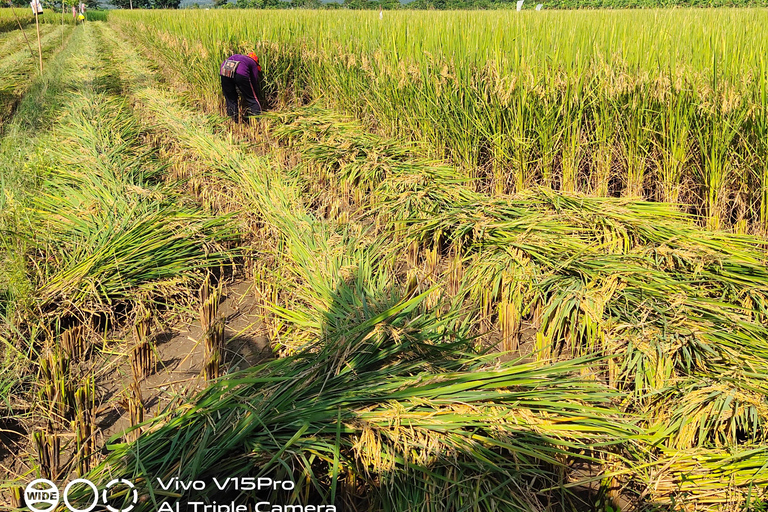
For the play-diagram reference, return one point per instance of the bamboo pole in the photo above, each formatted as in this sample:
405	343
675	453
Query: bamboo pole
39	44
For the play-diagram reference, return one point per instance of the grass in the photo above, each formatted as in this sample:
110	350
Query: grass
18	64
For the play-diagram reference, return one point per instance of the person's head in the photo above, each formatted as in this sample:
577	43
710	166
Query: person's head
254	57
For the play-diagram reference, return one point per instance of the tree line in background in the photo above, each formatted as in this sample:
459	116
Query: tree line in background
487	4
99	4
54	4
415	4
395	4
146	4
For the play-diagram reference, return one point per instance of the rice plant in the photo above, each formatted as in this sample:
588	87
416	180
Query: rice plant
585	110
381	399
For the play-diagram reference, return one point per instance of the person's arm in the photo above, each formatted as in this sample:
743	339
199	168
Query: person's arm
254	75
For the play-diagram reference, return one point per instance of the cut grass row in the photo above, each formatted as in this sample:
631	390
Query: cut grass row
316	253
635	279
18	67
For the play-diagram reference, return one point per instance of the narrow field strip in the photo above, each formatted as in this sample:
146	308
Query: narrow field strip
265	190
9	41
18	52
24	155
23	133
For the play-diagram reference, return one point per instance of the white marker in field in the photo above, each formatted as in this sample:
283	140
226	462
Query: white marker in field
539	6
37	9
520	5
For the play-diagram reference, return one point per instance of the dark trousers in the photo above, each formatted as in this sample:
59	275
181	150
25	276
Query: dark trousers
230	88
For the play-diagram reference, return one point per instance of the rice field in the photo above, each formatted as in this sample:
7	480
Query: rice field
605	103
465	261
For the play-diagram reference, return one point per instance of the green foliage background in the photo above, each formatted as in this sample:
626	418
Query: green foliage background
491	4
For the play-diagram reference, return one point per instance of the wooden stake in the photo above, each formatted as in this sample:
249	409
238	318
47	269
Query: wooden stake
39	44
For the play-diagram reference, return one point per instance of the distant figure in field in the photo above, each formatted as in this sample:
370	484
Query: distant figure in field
241	73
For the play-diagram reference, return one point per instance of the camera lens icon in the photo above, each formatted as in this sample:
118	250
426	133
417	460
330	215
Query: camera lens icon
126	483
41	495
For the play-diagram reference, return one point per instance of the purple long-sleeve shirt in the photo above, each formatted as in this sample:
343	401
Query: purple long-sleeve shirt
247	67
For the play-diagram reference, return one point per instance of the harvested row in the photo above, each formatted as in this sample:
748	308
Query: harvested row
17	65
95	246
638	280
387	337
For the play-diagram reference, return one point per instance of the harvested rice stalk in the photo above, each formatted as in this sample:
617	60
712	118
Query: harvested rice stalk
135	410
16	497
413	253
142	355
73	342
509	320
55	386
213	329
48	447
85	425
455	269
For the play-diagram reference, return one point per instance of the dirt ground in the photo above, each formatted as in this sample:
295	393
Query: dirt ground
179	358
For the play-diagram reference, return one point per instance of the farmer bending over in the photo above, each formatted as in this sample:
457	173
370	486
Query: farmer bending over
241	73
